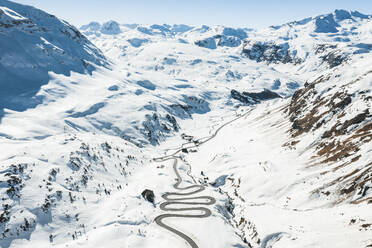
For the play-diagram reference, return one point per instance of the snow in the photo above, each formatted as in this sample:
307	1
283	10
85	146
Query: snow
33	44
272	180
78	138
110	27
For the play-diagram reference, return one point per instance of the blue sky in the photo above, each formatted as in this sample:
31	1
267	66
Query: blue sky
243	13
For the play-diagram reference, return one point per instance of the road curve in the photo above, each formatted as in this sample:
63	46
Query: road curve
183	199
201	141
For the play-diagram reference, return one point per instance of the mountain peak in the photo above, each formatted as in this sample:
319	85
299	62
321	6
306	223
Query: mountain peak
110	27
92	26
113	27
328	23
341	14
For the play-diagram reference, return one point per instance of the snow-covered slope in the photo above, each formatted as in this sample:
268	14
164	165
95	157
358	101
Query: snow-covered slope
330	51
34	43
335	109
292	170
156	84
313	44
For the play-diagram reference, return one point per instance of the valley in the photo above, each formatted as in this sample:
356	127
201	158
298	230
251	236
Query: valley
242	137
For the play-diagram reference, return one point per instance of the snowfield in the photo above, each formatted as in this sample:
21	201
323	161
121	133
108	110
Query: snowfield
274	125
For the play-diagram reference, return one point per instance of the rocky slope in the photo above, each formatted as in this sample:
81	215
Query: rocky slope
335	109
321	42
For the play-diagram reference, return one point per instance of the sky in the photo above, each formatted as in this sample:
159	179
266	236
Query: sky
235	13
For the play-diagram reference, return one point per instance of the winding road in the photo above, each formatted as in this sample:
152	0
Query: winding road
182	199
173	198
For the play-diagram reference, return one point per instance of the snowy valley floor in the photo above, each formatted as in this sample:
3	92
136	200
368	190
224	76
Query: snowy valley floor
268	184
261	188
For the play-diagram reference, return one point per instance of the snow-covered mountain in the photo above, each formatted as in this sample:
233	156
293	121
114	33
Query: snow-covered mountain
323	41
275	123
33	44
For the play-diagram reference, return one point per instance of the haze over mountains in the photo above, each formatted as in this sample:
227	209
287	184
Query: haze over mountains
83	112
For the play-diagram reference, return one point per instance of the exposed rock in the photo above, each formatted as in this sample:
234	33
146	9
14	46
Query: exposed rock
340	117
228	37
263	95
269	52
148	195
254	97
230	75
190	105
220	181
156	126
229	41
334	58
207	43
320	48
242	98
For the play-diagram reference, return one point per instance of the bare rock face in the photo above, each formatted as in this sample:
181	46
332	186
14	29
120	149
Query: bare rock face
228	37
334	58
207	43
269	52
148	195
254	97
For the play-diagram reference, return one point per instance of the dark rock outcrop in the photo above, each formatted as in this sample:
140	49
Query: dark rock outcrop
334	58
336	112
242	98
229	37
156	126
190	105
254	97
148	195
263	95
269	52
207	43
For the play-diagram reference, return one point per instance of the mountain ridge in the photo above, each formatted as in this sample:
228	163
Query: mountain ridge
337	15
37	43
